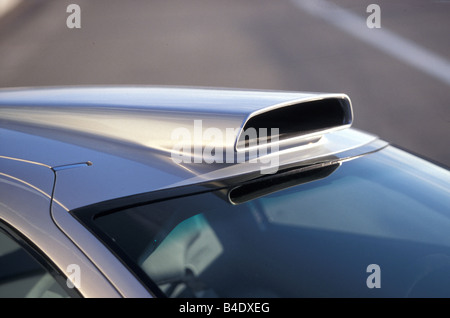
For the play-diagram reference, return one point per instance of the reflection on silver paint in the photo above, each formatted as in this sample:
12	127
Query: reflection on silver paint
43	231
126	133
146	117
119	276
109	142
26	207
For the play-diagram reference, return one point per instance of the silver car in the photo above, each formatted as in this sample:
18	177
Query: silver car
196	192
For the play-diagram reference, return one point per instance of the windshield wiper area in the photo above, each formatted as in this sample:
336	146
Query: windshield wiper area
268	184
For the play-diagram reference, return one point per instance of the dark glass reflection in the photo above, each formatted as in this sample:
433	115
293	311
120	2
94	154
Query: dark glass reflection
312	240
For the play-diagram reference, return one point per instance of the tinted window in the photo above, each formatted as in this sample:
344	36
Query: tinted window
21	275
377	226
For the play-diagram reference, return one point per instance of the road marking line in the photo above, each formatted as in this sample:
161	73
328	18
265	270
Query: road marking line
382	39
7	5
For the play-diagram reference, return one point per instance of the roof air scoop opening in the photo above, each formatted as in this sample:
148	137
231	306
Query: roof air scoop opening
296	122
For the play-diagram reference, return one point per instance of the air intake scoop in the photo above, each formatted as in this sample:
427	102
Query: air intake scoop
297	121
175	122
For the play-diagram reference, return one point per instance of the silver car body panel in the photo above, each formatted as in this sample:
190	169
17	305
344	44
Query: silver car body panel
103	143
25	192
126	133
147	117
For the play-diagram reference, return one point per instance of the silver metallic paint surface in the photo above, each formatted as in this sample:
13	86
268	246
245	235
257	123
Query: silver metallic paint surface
111	267
126	133
26	208
129	148
220	101
146	116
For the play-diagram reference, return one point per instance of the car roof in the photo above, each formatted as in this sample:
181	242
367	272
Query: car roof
109	142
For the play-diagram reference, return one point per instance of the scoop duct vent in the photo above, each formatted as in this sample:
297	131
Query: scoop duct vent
293	122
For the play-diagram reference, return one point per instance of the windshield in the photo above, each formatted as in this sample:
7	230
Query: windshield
386	211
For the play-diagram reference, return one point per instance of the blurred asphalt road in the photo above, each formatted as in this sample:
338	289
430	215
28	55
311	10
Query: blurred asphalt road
261	44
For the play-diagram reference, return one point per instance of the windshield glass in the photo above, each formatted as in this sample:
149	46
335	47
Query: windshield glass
377	226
